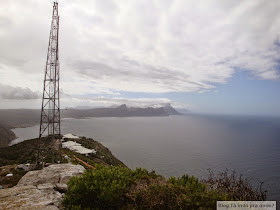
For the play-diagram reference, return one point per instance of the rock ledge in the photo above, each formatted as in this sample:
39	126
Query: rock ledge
41	189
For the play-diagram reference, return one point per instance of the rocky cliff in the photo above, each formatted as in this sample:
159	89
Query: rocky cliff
6	136
42	189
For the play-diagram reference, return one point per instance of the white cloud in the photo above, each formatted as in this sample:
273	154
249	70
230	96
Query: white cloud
140	46
17	93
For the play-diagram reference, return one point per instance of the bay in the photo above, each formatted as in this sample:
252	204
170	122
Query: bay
190	144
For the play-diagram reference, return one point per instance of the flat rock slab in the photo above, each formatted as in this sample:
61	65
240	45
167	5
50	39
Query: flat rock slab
59	173
38	189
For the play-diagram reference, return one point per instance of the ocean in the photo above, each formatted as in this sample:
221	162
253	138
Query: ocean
189	144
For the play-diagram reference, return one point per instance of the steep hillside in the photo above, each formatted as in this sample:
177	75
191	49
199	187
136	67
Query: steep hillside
6	136
14	118
25	152
170	110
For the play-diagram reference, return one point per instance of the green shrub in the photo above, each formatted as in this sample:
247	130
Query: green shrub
178	193
104	187
123	188
187	181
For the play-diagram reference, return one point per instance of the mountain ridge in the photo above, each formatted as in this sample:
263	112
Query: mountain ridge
121	111
15	118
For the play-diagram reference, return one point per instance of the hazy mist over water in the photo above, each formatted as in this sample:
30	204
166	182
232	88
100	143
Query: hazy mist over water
178	145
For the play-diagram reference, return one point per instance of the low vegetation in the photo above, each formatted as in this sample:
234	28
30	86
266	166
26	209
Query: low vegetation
103	154
118	187
25	152
6	181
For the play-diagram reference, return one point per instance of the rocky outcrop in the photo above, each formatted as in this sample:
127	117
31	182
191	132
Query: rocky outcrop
170	110
43	189
6	136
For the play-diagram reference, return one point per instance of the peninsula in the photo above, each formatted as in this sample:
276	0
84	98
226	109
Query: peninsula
15	118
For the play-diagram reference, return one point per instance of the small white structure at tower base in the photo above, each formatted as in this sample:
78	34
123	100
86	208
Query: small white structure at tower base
70	136
74	146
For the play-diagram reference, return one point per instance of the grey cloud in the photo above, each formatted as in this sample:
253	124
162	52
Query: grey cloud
9	92
62	94
138	71
162	45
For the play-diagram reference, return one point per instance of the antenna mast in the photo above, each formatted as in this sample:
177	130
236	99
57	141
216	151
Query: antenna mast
50	112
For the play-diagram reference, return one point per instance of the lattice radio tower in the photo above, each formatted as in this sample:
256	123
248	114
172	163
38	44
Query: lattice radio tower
50	134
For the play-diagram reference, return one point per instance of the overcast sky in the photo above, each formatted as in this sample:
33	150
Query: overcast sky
216	56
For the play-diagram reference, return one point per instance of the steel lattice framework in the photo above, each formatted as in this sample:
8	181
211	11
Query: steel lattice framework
50	112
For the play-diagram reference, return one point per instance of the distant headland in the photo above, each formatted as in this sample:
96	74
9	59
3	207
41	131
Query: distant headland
15	118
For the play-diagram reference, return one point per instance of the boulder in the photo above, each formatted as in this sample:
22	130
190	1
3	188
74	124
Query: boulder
41	189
